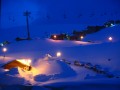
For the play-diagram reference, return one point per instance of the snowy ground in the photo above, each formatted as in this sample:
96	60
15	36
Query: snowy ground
54	73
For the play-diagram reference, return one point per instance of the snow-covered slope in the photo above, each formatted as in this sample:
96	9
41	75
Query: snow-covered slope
35	49
96	53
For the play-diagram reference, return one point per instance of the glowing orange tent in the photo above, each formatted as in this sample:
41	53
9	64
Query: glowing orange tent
15	64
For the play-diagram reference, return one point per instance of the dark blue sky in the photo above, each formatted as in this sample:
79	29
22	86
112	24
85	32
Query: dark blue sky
58	11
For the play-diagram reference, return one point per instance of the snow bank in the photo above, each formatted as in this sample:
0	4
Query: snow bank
50	67
53	69
44	70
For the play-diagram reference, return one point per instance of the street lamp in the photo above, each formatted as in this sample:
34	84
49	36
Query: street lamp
110	38
55	36
27	14
4	50
58	54
81	37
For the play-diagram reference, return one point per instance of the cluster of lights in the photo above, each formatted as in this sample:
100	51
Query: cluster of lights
110	24
4	43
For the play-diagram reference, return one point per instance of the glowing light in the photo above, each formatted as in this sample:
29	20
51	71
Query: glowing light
81	37
110	38
25	61
58	54
55	41
6	69
112	25
55	36
1	44
4	49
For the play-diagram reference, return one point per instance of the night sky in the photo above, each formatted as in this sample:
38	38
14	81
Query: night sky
58	11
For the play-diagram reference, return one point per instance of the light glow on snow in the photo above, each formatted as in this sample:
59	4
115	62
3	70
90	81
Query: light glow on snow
6	69
25	61
56	41
82	43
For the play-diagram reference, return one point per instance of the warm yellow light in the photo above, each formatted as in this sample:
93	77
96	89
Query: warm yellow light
55	36
110	38
4	49
81	37
58	54
25	61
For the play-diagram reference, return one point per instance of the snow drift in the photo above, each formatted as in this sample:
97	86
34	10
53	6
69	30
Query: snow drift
44	70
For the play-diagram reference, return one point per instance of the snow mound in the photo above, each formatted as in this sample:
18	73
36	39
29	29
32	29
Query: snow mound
53	69
44	70
50	67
